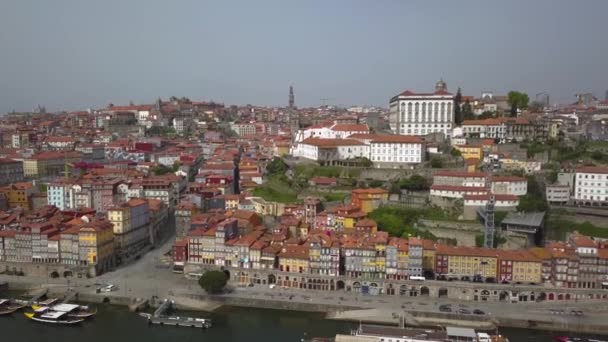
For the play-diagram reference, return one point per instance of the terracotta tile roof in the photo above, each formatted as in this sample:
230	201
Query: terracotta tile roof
582	240
350	127
486	197
294	252
388	138
593	169
484	122
508	179
409	93
460	174
370	191
321	142
457	188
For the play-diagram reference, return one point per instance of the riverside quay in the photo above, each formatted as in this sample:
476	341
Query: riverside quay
457	290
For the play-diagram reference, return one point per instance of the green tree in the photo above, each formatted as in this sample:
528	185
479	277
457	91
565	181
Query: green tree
597	155
458	115
534	200
455	152
276	167
486	115
552	177
415	183
436	163
213	282
467	111
513	110
517	100
376	183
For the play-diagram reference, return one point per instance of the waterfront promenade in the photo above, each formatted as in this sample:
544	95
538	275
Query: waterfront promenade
151	276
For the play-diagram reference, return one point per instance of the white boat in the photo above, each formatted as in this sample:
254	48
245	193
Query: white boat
74	310
45	315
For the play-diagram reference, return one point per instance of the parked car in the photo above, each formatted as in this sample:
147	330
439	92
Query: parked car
478	312
464	311
445	308
109	288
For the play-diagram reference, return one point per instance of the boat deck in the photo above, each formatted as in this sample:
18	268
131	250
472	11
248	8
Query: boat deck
181	321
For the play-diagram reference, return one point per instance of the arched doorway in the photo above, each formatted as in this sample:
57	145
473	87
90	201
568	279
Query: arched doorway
567	296
67	274
227	273
485	295
54	274
340	285
414	291
424	291
503	296
443	292
272	279
402	290
560	296
541	297
551	296
357	286
373	289
390	289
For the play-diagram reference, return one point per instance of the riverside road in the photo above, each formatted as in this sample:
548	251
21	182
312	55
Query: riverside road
151	276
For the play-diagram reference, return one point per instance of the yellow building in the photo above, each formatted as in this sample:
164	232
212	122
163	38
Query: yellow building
96	245
470	151
466	261
48	163
232	202
368	199
120	217
18	194
428	255
294	258
380	241
281	149
519	266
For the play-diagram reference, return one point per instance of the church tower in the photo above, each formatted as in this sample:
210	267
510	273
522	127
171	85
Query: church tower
440	86
291	97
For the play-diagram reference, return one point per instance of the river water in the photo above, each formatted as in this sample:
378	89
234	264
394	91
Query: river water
116	324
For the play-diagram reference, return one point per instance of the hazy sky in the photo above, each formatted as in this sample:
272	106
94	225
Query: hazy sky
79	54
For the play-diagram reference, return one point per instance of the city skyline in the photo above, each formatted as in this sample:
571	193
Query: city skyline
73	56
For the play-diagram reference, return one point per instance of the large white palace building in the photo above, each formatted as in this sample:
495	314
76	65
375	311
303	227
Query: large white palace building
423	113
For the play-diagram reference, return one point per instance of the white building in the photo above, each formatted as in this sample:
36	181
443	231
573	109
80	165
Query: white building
509	185
387	150
423	113
331	131
558	194
456	191
244	129
501	202
493	128
591	186
328	150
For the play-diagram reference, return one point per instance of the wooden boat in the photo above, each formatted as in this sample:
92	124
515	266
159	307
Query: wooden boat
44	315
72	310
7	307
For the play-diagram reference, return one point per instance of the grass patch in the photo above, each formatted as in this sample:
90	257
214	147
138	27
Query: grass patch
277	189
558	228
334	196
400	222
